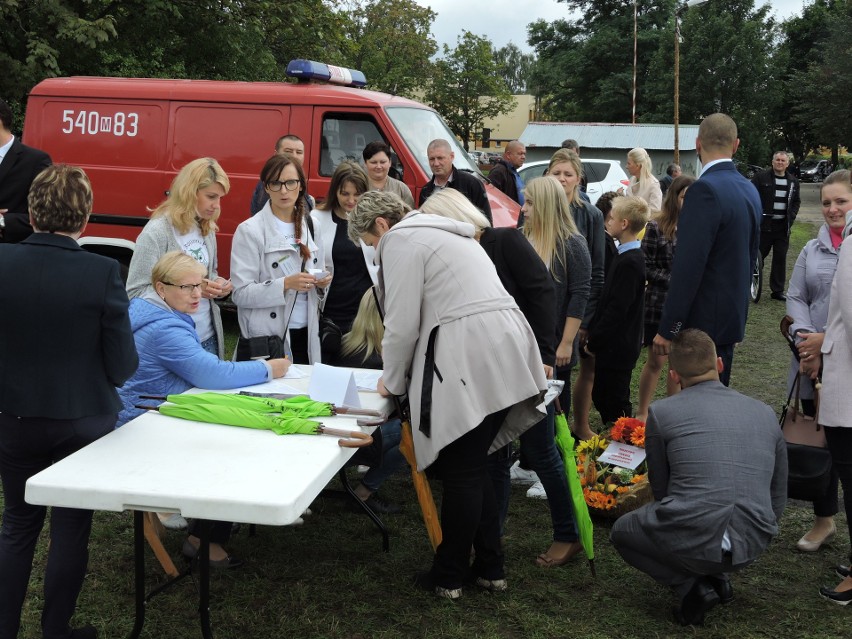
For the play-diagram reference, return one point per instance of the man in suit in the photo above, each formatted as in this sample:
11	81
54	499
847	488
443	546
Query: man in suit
717	246
65	345
718	469
779	195
505	176
19	165
445	175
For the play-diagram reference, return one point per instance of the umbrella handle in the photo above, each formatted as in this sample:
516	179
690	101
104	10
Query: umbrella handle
349	438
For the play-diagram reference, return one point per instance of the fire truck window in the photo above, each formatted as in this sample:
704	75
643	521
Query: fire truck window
344	136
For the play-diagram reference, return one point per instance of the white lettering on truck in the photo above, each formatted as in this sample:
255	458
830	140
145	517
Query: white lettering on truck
92	123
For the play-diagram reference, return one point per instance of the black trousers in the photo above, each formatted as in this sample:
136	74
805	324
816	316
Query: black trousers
840	446
611	392
775	237
468	508
28	446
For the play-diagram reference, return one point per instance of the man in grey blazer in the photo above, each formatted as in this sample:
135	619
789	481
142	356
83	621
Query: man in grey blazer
718	468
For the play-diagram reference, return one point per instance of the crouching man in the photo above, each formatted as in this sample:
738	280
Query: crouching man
718	468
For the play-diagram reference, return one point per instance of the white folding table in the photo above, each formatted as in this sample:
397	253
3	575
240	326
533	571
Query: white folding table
204	471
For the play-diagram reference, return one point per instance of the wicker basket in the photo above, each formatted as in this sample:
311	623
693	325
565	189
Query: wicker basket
639	495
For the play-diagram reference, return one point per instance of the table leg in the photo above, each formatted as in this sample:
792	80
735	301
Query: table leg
204	579
139	569
369	511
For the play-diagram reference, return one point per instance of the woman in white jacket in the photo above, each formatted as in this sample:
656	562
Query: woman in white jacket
642	180
275	264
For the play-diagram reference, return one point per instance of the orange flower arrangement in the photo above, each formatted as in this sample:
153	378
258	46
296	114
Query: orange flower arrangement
605	486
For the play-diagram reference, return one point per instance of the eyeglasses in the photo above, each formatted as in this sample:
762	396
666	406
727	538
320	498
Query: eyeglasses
290	185
186	288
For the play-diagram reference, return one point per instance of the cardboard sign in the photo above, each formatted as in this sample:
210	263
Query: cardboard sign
623	455
333	385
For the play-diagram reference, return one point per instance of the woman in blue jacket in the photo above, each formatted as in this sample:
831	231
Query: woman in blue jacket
172	360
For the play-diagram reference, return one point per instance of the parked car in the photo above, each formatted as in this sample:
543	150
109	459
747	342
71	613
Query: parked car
476	156
814	170
601	175
748	170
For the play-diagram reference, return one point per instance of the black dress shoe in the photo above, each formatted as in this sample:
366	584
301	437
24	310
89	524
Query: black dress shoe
779	296
843	598
842	571
379	505
699	600
722	586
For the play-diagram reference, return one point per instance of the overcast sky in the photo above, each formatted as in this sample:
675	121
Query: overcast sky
504	21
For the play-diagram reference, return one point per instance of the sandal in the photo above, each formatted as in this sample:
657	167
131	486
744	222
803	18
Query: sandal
544	560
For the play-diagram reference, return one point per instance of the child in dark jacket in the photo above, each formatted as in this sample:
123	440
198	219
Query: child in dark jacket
615	338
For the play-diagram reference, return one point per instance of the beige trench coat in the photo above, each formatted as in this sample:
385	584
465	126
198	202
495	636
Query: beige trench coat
433	273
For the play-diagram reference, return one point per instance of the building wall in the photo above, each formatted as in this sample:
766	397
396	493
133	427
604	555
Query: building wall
510	125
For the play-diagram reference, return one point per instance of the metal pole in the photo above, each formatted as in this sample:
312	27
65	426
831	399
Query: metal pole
676	158
635	46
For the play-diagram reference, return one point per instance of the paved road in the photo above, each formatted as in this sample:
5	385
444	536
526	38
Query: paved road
811	210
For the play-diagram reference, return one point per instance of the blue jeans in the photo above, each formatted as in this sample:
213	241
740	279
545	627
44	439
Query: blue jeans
211	345
392	458
539	449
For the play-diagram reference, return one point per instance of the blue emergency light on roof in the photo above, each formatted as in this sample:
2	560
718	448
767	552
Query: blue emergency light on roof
310	70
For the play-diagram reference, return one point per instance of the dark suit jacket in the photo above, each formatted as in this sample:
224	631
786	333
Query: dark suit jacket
466	184
615	336
716	462
65	337
718	236
17	171
525	277
502	177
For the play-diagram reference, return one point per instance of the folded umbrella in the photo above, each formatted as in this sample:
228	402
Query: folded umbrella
421	483
278	424
565	442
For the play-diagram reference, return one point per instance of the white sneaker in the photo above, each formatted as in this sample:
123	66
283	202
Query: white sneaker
518	475
536	491
172	521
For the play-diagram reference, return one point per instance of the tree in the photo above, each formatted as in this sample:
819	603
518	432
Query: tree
820	91
585	66
37	35
466	87
392	45
515	67
727	64
809	115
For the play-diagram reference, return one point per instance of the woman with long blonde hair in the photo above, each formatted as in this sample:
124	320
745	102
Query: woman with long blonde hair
567	168
642	180
186	221
551	230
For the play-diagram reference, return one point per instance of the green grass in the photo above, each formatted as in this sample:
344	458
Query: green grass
329	579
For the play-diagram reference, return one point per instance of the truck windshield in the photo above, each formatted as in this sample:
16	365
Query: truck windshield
418	127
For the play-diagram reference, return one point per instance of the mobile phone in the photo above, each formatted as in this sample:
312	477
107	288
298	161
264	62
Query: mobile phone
319	273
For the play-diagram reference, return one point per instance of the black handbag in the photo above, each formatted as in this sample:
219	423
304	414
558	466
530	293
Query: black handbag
808	459
264	347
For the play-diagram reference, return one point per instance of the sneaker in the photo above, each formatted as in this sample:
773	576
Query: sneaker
172	521
492	585
379	505
536	491
518	475
424	581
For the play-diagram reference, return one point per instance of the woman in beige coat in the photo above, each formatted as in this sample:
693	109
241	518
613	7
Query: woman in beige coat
642	180
835	400
457	343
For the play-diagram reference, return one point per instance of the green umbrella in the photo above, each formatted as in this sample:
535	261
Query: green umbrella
280	425
302	406
565	441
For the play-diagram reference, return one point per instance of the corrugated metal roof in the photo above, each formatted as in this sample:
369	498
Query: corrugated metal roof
600	135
